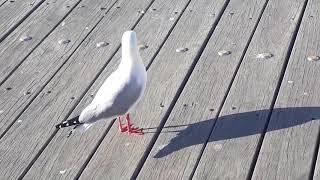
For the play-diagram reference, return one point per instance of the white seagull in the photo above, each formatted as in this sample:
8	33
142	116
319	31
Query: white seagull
119	93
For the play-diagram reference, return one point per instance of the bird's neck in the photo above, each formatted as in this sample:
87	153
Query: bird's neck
129	49
130	55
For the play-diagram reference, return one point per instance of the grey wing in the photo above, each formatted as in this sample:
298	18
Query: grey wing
125	99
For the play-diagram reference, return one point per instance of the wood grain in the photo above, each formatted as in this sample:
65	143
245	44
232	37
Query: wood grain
2	2
47	109
37	26
13	12
35	72
175	153
233	142
152	31
119	154
289	144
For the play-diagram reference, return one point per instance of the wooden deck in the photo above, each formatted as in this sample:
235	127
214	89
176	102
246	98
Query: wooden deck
206	114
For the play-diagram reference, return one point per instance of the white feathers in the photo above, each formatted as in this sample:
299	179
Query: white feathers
122	89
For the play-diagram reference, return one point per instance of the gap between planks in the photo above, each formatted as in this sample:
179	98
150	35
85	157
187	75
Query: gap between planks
229	87
254	13
2	2
152	55
81	96
165	50
44	37
178	93
147	67
36	95
241	146
291	152
54	73
283	70
11	29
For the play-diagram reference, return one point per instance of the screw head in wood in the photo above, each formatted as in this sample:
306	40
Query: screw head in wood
224	53
102	44
25	38
182	49
64	41
142	46
313	58
264	56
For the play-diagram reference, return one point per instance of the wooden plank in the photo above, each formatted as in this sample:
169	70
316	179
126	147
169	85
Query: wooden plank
25	139
152	30
39	67
231	147
176	150
119	155
37	26
2	2
289	145
13	12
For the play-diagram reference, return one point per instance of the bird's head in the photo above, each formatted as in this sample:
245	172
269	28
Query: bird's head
129	43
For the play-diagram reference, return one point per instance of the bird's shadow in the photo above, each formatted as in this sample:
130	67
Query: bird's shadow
234	126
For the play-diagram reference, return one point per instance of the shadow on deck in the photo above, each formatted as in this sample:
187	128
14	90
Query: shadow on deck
247	123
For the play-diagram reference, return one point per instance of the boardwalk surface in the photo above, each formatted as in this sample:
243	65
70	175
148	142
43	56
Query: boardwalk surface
242	102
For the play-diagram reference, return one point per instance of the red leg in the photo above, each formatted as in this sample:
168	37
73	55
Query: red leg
133	130
121	127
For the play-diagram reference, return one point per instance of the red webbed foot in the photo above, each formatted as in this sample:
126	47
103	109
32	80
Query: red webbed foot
133	130
121	127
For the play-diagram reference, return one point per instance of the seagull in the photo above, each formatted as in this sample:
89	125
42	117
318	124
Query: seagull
119	93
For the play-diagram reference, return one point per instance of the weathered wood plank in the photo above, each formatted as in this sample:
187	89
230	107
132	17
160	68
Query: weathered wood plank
47	109
119	155
13	12
232	145
39	67
37	26
2	2
175	152
152	30
289	144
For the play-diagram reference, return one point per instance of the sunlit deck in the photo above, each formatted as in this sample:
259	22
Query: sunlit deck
232	91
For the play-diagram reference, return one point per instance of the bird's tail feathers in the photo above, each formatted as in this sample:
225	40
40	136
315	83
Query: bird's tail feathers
70	122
